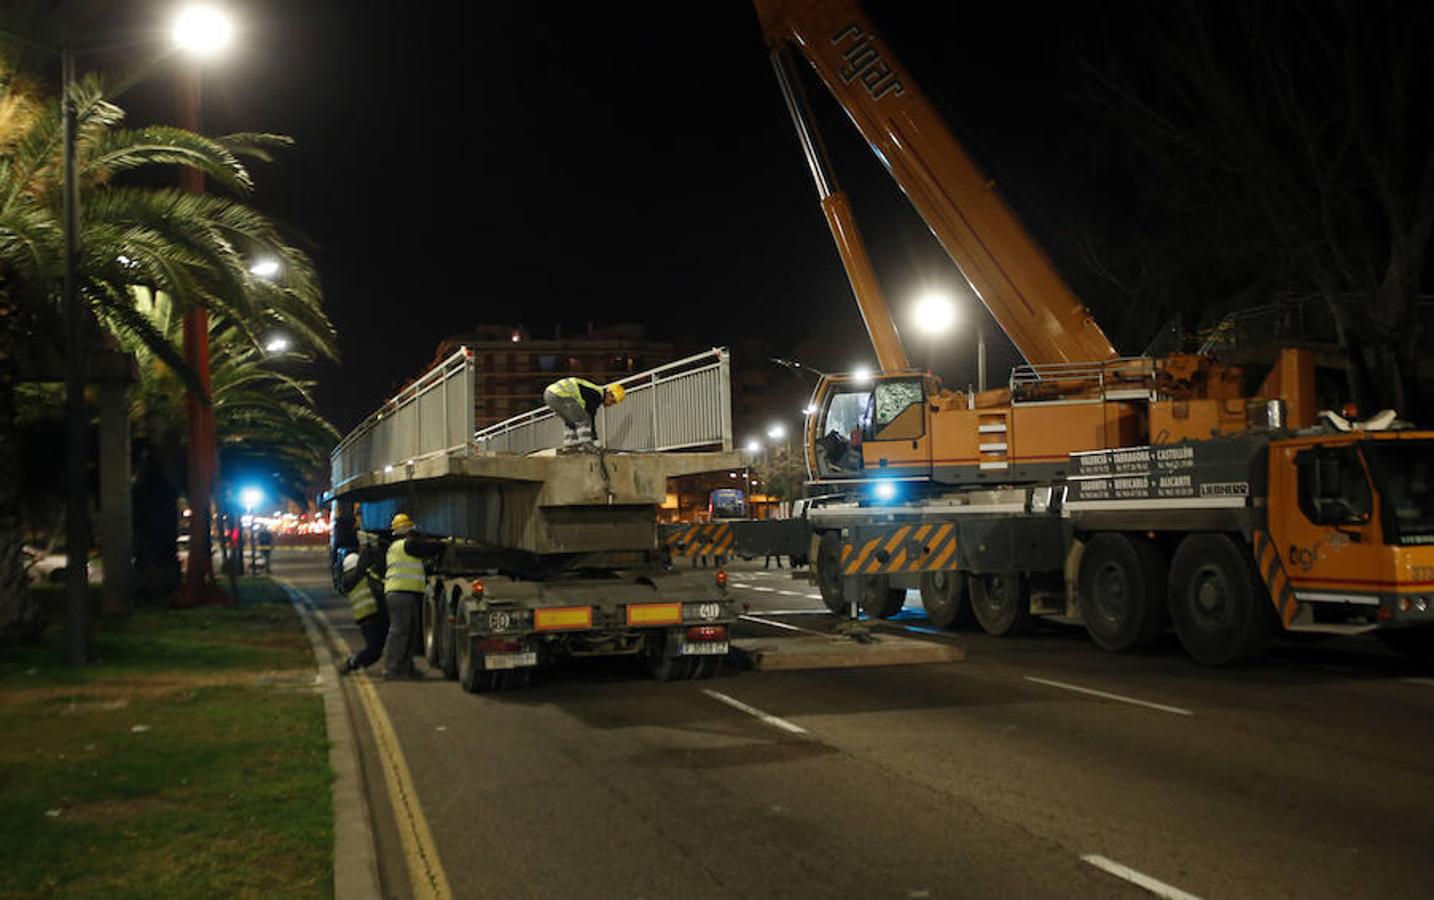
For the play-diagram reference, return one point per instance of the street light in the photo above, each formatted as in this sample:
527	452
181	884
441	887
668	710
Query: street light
277	344
754	446
265	268
201	31
777	431
861	376
934	313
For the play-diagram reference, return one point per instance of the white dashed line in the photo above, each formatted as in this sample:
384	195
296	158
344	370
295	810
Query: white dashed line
1158	888
753	711
1427	682
783	625
765	590
791	593
1117	697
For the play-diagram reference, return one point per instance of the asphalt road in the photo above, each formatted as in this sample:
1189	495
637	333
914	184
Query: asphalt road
1307	776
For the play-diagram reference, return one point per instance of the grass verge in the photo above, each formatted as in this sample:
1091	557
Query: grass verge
190	760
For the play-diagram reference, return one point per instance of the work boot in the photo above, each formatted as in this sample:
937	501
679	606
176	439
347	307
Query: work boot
346	666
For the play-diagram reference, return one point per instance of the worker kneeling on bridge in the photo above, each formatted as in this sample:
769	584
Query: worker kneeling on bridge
362	584
576	401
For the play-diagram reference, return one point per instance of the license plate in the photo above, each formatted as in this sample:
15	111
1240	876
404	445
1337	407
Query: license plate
705	648
510	660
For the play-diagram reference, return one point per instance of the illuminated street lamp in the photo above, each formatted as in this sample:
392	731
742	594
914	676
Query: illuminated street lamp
201	31
861	376
277	344
777	431
934	313
265	268
754	446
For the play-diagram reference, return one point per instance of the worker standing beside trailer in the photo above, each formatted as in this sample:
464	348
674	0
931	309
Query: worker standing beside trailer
404	582
576	401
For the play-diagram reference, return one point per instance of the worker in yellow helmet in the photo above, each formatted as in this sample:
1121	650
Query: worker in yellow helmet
404	581
576	401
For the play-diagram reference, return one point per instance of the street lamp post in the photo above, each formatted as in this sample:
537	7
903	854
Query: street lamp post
200	31
77	519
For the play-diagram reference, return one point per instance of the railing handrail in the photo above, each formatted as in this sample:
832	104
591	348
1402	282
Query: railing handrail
405	396
650	376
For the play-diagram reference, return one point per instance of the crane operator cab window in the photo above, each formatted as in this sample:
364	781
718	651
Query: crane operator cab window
896	413
1404	471
844	420
1332	486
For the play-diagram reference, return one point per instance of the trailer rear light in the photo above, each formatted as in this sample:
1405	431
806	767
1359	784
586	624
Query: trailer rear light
654	614
699	633
563	618
477	588
1385	613
722	578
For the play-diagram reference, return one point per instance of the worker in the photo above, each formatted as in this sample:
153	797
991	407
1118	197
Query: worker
362	584
403	586
576	401
266	549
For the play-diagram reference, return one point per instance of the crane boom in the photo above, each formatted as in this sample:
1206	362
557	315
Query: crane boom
1004	265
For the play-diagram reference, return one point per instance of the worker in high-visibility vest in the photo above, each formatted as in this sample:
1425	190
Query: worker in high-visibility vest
404	582
362	584
576	401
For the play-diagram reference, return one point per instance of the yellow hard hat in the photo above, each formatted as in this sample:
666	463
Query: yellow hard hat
617	392
401	522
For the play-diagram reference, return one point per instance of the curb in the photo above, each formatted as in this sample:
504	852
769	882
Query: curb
355	856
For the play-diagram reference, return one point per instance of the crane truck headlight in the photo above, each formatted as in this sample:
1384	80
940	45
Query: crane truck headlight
885	491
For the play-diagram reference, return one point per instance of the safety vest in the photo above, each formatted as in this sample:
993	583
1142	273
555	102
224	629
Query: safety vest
404	573
571	387
362	600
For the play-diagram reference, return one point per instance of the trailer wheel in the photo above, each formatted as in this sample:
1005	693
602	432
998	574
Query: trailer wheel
431	648
1001	603
878	599
1122	585
828	572
946	598
448	654
661	664
1219	609
470	663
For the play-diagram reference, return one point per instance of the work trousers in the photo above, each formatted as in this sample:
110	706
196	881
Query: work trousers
577	424
375	632
402	622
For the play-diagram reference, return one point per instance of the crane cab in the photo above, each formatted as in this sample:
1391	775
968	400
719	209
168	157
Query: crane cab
871	427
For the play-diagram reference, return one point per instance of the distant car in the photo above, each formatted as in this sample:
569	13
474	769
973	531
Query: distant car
47	568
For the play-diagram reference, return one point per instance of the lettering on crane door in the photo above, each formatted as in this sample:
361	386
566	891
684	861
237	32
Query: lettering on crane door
864	61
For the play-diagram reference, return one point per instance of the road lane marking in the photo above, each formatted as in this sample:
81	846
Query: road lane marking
775	624
791	593
425	871
754	711
1117	697
765	590
813	596
1154	886
1427	682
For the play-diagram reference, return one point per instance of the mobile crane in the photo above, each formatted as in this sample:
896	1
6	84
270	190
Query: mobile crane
1124	491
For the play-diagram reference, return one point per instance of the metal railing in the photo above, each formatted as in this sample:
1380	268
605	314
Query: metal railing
1127	374
431	417
683	405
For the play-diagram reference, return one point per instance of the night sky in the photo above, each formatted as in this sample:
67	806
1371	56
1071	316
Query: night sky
558	164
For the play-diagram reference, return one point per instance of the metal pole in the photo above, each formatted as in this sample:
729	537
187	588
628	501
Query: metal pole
77	526
199	585
981	358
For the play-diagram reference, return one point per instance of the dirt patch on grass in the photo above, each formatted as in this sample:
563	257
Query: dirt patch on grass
109	811
119	692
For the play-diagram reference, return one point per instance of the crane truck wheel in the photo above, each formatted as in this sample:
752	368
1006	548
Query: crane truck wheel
1122	585
1221	612
878	599
1001	603
471	674
946	596
828	572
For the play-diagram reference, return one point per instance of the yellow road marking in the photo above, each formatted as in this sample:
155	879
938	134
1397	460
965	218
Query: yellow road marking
425	871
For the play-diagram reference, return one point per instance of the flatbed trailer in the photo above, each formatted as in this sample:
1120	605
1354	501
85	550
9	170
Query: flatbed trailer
546	555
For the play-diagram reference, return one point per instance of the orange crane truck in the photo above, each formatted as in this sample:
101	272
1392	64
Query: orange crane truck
1127	492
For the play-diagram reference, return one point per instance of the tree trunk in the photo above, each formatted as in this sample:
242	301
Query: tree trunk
20	615
156	532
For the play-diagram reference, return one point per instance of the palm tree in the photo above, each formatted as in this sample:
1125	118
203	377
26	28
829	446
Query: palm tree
191	247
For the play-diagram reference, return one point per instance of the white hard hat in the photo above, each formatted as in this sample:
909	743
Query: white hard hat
351	561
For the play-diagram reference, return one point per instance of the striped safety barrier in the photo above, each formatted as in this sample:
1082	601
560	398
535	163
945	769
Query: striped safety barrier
701	540
901	548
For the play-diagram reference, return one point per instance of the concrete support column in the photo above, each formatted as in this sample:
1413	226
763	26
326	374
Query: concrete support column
116	519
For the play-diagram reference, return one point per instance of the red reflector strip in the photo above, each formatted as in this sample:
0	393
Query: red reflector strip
497	646
707	633
563	618
654	614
